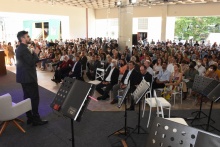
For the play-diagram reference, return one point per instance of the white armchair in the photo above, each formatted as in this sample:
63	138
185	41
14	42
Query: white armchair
9	111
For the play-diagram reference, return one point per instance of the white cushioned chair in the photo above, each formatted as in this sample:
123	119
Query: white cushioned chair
9	111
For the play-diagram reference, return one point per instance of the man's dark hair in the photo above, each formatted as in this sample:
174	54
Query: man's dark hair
143	66
214	67
164	62
132	62
21	34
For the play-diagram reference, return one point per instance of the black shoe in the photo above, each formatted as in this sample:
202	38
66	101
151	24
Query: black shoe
39	122
130	109
114	101
99	98
29	121
104	98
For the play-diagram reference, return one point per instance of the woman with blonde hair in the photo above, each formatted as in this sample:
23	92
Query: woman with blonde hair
175	80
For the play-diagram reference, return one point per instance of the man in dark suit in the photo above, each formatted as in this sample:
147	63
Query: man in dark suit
110	79
26	75
77	69
130	76
147	76
83	61
92	65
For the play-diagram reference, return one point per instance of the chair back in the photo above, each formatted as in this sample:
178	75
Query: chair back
5	106
100	73
159	105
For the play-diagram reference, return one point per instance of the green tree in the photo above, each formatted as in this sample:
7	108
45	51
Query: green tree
197	27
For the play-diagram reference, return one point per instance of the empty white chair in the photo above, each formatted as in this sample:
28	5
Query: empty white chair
161	103
179	90
153	104
9	111
160	108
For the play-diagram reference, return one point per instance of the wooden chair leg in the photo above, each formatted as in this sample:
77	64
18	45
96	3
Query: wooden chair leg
5	124
124	143
19	120
18	126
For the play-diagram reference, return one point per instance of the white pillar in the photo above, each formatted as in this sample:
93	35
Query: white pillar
125	18
164	23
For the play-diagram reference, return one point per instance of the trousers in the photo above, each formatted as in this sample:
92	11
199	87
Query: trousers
31	91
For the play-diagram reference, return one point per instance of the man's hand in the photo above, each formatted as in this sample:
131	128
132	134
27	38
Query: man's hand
123	86
70	73
157	81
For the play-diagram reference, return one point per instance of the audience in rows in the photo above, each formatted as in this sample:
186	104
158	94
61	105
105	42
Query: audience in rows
162	64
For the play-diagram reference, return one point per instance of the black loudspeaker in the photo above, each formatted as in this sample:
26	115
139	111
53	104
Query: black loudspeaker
214	95
134	39
210	87
72	98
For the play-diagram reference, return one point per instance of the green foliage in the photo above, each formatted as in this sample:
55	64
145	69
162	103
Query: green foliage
197	27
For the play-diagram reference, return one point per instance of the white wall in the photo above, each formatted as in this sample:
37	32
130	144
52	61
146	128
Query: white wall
91	23
77	16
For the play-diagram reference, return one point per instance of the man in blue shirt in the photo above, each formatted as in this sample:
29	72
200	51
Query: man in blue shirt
162	78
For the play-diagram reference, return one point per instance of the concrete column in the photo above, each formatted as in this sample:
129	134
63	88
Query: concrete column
164	23
125	18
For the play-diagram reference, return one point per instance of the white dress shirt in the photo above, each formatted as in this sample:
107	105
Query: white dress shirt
74	67
108	79
200	69
170	67
150	70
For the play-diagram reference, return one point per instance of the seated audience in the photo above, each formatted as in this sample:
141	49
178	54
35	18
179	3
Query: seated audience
130	76
76	71
62	71
110	79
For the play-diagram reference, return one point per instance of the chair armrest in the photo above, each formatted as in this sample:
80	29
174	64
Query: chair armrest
21	107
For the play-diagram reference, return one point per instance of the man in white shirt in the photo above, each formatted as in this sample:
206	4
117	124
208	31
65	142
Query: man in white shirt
162	78
149	69
111	78
201	69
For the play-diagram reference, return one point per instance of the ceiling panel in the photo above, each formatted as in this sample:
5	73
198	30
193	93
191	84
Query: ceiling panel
99	4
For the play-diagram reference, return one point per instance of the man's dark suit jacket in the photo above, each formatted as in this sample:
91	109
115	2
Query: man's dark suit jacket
114	76
77	70
148	77
134	79
83	61
26	65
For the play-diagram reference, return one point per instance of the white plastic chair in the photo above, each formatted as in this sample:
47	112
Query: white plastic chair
161	103
160	90
9	111
153	104
178	91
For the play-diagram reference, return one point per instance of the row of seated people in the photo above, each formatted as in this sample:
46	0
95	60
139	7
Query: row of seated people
68	68
163	79
131	76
